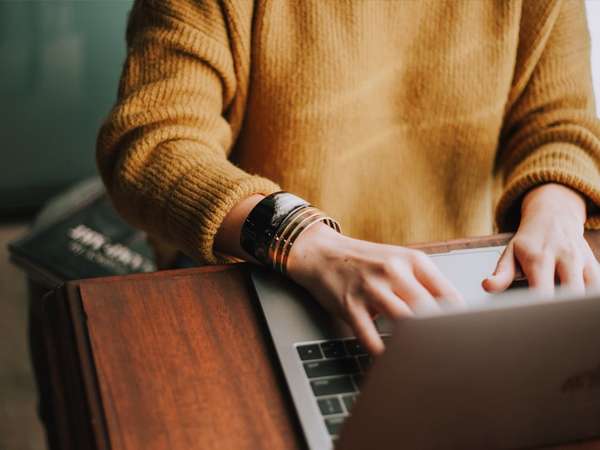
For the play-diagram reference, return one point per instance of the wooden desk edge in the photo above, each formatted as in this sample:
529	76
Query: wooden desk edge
593	238
88	369
75	380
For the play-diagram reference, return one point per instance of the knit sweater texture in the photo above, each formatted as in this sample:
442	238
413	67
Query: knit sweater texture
405	120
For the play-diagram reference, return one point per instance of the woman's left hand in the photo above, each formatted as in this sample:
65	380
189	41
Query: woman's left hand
549	244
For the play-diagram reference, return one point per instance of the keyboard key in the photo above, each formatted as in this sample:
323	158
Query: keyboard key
328	367
334	424
365	362
330	405
354	347
332	386
333	349
349	401
308	352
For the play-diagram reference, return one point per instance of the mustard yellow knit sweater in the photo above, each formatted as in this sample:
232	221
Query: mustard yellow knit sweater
405	120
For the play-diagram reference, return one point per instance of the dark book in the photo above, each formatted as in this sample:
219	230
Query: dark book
80	235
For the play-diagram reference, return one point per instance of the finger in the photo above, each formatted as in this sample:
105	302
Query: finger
570	274
413	293
373	311
432	279
540	273
505	271
386	302
361	322
591	274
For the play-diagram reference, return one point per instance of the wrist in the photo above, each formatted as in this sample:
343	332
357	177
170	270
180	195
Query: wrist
312	250
227	239
555	199
275	224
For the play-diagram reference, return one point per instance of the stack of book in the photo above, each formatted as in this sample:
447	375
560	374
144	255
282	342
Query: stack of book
80	235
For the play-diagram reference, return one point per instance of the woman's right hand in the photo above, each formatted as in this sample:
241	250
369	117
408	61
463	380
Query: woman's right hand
353	279
356	280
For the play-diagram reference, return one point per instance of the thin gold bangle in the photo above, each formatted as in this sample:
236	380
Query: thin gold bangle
299	230
284	231
281	231
298	226
289	231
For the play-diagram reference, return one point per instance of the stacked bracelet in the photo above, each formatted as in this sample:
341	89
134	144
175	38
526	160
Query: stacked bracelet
273	226
291	228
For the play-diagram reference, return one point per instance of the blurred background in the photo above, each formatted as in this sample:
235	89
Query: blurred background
59	67
58	74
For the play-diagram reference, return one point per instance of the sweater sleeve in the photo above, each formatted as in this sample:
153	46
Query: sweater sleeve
550	131
163	150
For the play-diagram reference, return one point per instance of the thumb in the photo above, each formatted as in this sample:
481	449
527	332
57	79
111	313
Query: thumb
504	274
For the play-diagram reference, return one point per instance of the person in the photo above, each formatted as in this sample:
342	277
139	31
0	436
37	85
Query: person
404	121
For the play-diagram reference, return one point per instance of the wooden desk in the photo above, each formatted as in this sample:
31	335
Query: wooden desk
173	360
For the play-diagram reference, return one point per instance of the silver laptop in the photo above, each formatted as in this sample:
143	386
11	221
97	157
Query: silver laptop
509	372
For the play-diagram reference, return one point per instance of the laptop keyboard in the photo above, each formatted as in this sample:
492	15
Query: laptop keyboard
335	371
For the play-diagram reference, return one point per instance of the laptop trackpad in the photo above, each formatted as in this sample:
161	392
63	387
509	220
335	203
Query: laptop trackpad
465	269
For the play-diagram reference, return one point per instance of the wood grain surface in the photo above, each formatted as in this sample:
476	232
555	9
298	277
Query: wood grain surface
180	360
183	364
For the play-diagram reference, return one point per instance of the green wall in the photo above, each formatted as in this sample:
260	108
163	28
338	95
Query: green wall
59	68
